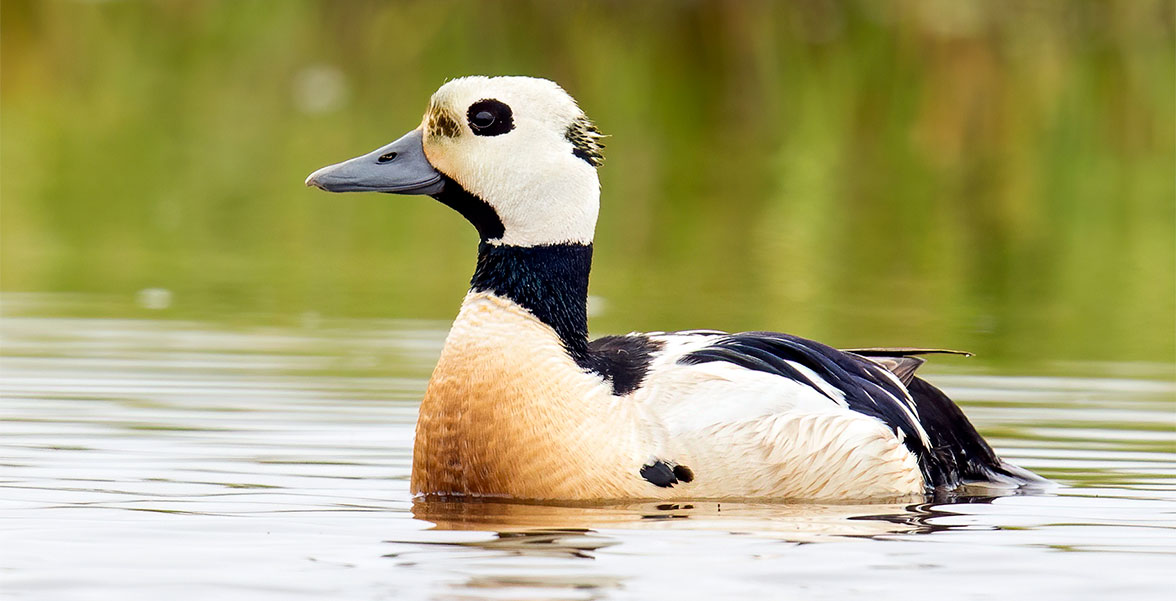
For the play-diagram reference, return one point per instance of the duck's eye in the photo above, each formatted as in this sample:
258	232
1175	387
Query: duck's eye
482	120
489	117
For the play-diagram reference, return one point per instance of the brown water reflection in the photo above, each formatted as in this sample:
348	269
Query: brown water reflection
523	525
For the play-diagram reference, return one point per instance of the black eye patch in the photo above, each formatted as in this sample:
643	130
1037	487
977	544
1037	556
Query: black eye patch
489	117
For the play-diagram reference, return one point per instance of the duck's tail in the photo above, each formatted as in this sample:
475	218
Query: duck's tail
959	455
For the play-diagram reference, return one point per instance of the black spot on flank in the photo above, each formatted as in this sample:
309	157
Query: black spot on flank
477	211
622	360
659	474
664	475
490	117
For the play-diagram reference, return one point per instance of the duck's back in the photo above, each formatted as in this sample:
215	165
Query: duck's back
808	420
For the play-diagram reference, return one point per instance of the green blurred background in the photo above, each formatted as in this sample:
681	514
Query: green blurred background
994	176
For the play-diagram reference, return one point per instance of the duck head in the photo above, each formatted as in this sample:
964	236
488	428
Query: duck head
514	155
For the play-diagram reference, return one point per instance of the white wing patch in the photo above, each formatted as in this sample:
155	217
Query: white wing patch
690	397
750	433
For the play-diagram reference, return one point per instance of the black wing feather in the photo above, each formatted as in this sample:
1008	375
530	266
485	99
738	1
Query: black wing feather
955	452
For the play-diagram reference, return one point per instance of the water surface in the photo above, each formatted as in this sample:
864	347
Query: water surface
175	459
214	404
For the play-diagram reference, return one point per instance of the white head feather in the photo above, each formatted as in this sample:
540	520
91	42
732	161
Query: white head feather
542	192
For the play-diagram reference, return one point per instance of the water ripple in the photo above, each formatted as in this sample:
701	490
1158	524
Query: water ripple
188	460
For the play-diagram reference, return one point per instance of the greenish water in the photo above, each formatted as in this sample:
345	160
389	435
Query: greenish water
966	175
178	459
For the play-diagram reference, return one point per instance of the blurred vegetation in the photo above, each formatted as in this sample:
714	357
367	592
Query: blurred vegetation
996	176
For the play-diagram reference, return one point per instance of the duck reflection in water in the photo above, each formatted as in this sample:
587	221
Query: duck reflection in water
579	530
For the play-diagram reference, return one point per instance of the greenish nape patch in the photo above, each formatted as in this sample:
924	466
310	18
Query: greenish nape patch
585	139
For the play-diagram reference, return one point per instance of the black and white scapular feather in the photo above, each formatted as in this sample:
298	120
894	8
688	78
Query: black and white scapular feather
523	404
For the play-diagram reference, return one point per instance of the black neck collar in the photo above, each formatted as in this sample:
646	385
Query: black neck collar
477	211
550	281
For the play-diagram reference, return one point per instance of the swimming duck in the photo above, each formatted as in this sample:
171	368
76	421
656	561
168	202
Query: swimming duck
522	404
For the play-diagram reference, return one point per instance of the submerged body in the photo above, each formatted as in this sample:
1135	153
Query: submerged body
522	405
509	413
